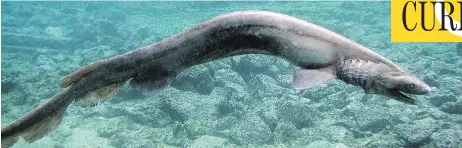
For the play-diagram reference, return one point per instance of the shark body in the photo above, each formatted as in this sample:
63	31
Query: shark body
320	53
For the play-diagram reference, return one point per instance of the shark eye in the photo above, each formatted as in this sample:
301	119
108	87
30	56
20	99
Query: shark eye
411	86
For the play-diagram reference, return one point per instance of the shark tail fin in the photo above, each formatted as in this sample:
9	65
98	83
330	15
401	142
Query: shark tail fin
39	122
37	131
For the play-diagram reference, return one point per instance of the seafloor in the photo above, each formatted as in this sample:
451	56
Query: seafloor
243	101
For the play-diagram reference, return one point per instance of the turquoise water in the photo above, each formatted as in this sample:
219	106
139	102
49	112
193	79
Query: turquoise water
243	101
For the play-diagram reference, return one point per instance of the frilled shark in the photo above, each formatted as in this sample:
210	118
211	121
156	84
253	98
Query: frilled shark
320	54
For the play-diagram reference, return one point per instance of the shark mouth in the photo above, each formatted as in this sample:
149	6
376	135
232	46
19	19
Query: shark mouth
397	95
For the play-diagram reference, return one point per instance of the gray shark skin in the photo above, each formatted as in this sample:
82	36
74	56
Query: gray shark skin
320	53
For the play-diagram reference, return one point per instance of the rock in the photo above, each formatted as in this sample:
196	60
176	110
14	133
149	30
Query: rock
209	141
108	131
179	136
339	145
118	139
224	76
105	40
254	62
183	106
70	10
144	32
446	138
355	34
224	123
172	108
384	140
430	78
285	80
147	41
36	41
134	41
284	132
86	138
141	137
12	21
197	78
371	117
321	92
230	108
85	33
149	114
435	113
17	98
105	27
320	144
457	89
115	15
459	49
265	86
55	31
268	112
247	65
418	132
230	85
283	67
252	130
238	93
337	134
197	128
61	57
299	114
41	21
46	63
8	85
452	107
96	54
442	98
94	6
219	64
338	100
219	93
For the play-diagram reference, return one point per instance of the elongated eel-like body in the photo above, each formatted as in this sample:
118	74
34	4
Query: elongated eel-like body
319	52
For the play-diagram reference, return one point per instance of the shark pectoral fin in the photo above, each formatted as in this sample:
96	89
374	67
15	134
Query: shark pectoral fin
367	96
367	91
98	96
307	78
151	83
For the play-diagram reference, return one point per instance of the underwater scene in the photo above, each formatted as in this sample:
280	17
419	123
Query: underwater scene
245	100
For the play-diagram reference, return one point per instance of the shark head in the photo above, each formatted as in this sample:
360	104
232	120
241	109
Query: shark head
395	84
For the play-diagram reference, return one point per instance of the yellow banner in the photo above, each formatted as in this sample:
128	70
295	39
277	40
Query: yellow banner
426	21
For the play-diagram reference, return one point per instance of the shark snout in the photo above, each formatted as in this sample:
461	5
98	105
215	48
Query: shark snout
422	89
426	89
